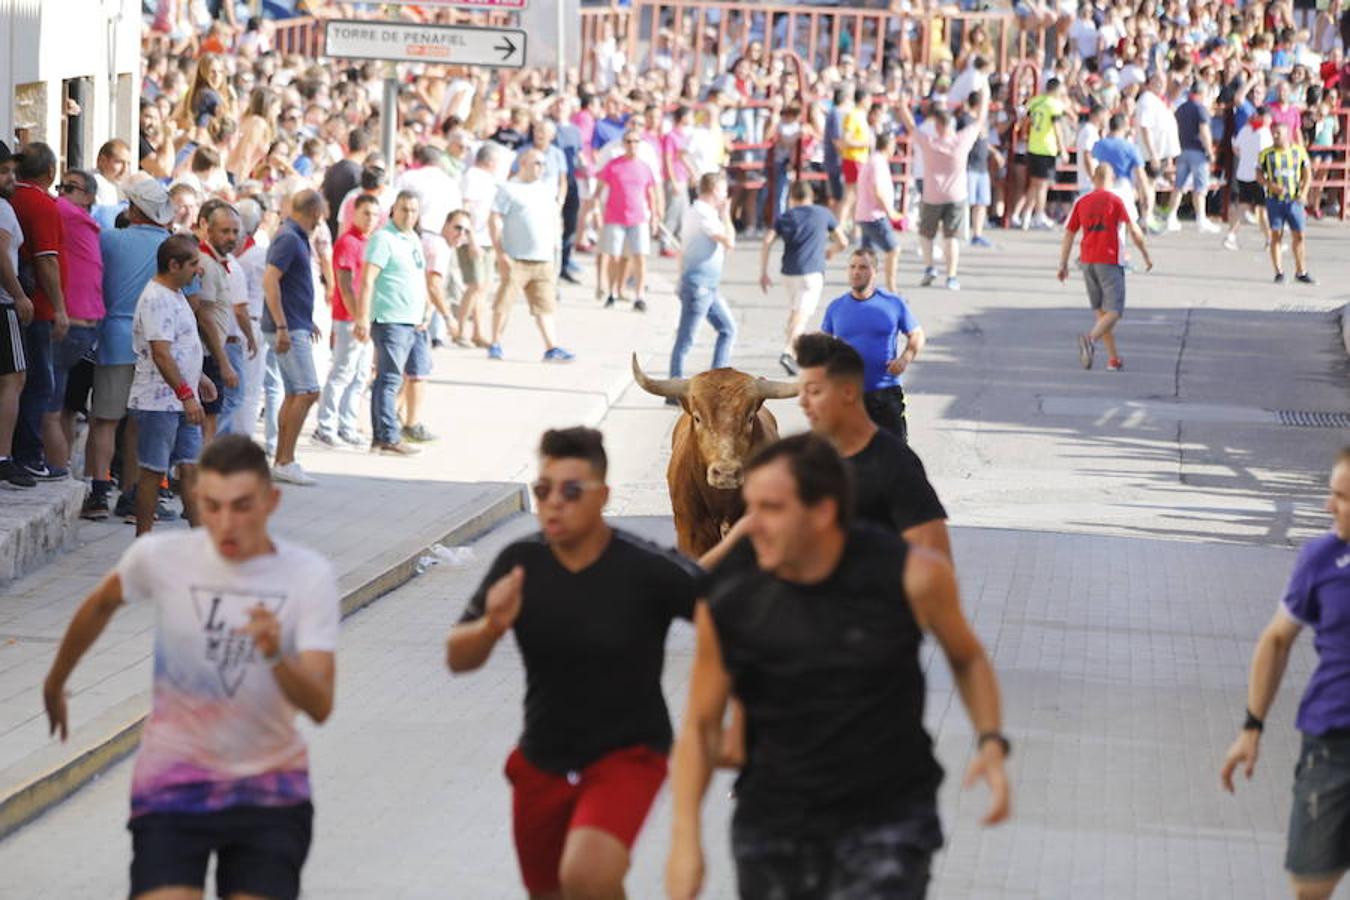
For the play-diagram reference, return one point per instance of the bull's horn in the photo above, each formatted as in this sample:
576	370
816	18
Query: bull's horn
661	387
776	390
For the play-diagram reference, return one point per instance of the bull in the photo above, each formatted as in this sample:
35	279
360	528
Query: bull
724	422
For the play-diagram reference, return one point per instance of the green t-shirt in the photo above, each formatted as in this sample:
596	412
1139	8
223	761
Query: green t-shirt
400	295
1043	138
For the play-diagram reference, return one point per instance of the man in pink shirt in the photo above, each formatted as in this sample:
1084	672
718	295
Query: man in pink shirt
944	149
875	210
1282	112
675	164
631	200
82	284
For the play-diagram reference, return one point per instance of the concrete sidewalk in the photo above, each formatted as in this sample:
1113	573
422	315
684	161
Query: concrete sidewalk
374	516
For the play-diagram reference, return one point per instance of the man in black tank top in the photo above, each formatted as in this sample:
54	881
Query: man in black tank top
891	487
815	624
590	607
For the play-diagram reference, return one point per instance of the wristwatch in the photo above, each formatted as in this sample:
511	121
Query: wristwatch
996	736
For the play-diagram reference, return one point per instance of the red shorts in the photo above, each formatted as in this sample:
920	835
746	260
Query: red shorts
852	169
612	794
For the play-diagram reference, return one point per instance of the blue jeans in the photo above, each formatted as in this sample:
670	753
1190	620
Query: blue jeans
66	355
37	394
273	394
393	343
700	300
231	398
346	382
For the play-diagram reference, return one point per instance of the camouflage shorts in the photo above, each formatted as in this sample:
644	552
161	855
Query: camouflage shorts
874	862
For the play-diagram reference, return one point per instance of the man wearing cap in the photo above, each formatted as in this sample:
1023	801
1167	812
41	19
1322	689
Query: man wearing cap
15	310
129	262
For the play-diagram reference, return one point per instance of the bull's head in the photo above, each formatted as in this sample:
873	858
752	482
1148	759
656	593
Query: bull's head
724	405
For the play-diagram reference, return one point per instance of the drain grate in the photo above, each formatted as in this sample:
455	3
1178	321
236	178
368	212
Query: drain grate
1302	418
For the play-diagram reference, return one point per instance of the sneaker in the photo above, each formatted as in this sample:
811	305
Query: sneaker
1208	227
1279	278
1173	225
1230	242
929	276
952	283
43	472
418	433
13	475
980	241
610	301
292	473
569	278
1043	224
1115	364
324	439
1305	278
463	342
789	363
495	352
125	508
353	438
163	512
558	354
95	508
402	448
1085	350
639	305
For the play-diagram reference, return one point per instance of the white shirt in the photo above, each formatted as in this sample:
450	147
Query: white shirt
437	191
968	82
1087	138
705	150
10	224
253	262
1084	34
1153	113
163	315
107	195
218	715
438	254
480	191
1248	146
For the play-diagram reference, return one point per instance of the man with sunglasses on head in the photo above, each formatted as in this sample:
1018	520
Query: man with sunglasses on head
590	607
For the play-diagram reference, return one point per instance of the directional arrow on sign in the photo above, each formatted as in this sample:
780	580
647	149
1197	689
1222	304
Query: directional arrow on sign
506	51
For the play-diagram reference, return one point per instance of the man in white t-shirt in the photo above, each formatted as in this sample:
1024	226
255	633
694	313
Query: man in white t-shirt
1156	127
1088	136
246	634
16	310
476	262
168	387
1247	146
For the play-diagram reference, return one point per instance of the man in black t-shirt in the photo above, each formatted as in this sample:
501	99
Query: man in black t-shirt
838	797
590	607
893	489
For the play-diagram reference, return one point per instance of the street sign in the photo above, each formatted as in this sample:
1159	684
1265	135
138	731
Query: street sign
455	45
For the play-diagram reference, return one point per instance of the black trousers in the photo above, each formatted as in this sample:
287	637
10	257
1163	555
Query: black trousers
887	408
571	207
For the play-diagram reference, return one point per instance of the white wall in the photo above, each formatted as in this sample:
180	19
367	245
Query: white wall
43	42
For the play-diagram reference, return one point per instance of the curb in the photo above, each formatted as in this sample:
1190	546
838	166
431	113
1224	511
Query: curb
117	732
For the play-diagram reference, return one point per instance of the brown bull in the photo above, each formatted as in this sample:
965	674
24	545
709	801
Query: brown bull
723	424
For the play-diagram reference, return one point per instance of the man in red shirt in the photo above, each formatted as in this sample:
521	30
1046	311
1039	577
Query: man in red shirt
41	256
339	405
1100	215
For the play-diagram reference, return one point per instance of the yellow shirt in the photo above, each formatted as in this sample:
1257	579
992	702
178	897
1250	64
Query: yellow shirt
1284	168
855	130
1043	138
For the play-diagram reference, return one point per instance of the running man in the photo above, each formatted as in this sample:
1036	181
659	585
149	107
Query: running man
590	607
246	634
1318	852
804	228
1284	172
839	794
1101	215
872	322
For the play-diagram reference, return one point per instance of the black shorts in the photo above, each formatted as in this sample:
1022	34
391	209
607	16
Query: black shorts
259	850
211	369
79	384
1251	193
1039	166
12	357
886	407
1152	169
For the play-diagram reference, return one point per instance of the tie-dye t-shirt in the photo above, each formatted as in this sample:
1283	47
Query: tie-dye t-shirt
220	732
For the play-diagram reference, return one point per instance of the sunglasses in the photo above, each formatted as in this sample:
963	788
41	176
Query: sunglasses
72	188
571	489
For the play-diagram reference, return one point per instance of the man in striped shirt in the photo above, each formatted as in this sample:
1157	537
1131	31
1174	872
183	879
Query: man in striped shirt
1285	174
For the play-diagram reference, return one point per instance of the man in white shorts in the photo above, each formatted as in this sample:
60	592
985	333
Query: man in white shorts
803	228
630	196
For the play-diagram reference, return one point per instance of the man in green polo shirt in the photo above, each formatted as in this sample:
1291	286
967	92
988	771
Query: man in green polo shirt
390	310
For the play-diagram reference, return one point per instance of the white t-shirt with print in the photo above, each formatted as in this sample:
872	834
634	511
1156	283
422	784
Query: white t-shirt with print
9	223
163	315
220	732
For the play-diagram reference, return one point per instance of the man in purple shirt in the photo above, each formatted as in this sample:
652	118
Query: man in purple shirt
1318	597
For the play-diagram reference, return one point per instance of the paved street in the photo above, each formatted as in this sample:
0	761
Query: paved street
1120	537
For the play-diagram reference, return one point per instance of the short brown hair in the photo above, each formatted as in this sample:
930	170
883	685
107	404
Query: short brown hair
231	454
576	443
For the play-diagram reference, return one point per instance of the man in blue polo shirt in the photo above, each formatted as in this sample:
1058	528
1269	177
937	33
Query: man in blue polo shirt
288	326
129	262
872	321
1318	596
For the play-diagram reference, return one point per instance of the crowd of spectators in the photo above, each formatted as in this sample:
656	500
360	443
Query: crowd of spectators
323	266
